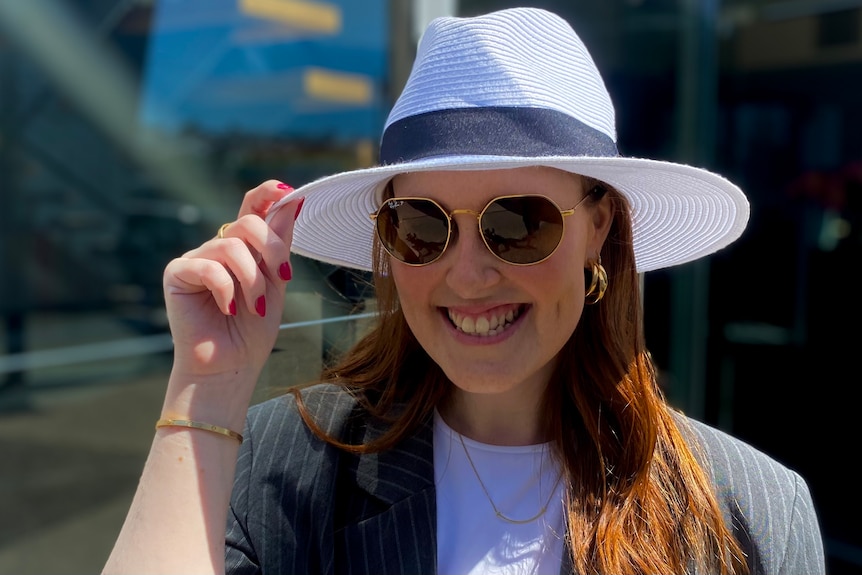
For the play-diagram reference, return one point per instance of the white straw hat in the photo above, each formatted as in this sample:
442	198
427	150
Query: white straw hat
510	89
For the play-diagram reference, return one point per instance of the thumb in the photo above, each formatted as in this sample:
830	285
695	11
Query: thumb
282	218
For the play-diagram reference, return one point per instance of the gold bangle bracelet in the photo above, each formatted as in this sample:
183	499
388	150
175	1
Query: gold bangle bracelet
199	425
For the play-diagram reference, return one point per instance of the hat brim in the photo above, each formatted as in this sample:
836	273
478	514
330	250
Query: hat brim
679	213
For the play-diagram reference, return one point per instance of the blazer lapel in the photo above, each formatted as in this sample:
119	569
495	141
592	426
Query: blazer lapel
390	517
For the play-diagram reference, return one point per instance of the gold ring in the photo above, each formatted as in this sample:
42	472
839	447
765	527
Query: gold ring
221	230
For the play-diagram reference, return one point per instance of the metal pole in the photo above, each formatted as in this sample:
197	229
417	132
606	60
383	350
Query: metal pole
13	390
696	107
402	48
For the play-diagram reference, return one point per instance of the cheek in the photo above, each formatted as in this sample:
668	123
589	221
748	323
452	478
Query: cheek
570	298
402	282
413	286
563	282
566	267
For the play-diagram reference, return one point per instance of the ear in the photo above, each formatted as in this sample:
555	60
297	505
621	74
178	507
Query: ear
601	218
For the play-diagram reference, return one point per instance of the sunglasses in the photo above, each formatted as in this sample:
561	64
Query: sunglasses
521	230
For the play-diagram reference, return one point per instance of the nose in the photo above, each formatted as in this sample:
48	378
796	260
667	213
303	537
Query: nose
471	268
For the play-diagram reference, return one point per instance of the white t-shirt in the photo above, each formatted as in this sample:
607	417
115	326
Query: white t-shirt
520	480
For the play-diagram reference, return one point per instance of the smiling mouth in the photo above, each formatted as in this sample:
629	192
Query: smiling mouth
488	324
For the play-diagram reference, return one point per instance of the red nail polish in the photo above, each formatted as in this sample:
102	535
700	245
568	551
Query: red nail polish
284	271
232	307
260	306
284	187
299	207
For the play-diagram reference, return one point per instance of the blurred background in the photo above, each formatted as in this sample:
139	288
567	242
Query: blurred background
130	129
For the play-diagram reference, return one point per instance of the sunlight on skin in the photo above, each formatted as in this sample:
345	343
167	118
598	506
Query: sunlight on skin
205	351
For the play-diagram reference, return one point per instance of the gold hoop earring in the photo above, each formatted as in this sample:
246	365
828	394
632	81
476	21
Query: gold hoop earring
598	283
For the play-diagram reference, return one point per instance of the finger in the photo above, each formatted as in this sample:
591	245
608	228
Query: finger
234	254
271	251
282	224
283	218
184	276
258	200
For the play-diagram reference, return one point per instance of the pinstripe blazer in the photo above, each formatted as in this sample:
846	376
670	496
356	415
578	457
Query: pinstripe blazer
302	506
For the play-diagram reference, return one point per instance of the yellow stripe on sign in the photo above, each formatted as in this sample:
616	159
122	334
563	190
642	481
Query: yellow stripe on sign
337	86
316	16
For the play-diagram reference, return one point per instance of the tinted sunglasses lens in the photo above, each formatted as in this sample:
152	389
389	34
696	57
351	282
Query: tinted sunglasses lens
413	231
523	230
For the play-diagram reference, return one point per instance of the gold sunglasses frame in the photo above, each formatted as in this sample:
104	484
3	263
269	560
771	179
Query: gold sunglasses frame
478	215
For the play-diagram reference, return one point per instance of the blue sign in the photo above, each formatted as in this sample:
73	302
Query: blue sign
283	68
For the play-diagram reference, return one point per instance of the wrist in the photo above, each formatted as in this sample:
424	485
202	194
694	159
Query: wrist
220	400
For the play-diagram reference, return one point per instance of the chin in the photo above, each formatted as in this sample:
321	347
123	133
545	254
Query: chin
490	382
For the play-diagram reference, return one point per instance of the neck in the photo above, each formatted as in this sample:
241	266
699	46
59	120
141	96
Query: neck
495	418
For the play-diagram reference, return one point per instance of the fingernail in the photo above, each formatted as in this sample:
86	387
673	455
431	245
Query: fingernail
298	207
260	306
284	271
232	307
284	187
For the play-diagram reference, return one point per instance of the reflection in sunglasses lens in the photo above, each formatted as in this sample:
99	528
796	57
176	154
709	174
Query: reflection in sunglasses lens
522	230
414	231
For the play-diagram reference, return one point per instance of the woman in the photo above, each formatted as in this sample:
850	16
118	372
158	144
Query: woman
503	415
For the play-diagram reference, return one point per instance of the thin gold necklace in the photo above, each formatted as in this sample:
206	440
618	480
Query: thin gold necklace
497	512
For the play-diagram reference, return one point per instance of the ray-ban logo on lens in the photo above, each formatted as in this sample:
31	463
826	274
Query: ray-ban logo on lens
394	204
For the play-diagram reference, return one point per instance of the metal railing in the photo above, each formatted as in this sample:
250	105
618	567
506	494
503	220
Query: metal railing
128	347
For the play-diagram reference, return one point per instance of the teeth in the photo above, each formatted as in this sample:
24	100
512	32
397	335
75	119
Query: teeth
483	325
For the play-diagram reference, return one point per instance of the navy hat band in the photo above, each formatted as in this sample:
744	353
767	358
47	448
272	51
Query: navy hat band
492	131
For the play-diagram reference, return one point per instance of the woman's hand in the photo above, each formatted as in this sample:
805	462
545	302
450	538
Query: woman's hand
224	301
